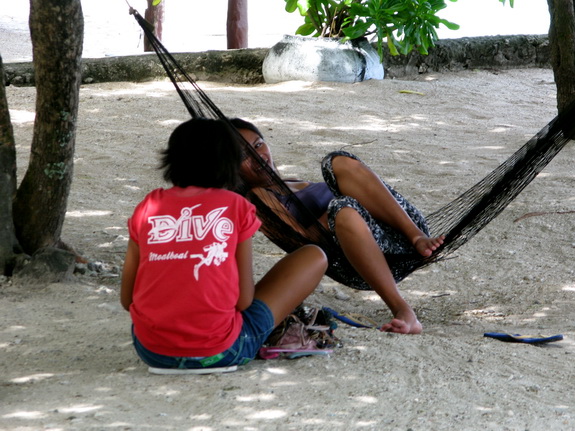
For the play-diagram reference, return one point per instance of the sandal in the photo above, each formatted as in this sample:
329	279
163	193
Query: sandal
353	319
180	371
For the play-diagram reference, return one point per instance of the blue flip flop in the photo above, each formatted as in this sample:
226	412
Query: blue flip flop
528	339
355	320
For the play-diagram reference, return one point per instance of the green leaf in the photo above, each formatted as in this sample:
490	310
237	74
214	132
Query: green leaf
302	5
356	31
305	29
392	48
291	5
156	2
450	25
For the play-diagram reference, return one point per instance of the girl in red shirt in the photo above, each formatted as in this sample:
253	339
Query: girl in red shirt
187	279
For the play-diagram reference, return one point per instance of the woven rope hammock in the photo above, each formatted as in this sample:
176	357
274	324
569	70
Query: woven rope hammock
459	220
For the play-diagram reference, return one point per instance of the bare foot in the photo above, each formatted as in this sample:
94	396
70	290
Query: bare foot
403	324
426	246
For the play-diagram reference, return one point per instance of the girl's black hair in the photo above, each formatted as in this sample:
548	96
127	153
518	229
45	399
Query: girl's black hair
238	123
204	153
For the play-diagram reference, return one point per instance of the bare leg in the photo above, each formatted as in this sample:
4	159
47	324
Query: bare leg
363	253
358	181
291	280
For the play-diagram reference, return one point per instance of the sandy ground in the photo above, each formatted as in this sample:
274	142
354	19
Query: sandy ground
66	360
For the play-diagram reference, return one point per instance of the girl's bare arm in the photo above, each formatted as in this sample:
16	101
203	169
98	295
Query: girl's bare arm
131	263
245	272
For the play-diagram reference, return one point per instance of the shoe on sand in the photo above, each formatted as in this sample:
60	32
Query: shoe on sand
529	339
183	371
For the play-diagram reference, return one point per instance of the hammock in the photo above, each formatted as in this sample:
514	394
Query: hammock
459	220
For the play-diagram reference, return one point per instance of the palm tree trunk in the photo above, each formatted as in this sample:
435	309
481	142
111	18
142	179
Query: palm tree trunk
9	245
237	24
155	16
41	199
562	42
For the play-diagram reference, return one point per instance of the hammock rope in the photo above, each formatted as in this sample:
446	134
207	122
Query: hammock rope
459	220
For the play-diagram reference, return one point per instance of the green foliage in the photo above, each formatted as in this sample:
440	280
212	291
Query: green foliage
405	24
156	2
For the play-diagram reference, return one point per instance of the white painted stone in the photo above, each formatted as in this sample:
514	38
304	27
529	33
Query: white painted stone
321	59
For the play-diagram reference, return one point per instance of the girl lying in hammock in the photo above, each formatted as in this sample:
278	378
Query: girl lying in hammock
366	216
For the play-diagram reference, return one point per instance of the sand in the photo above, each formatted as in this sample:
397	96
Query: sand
66	358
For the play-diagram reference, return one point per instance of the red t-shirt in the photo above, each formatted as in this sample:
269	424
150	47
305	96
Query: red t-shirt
187	286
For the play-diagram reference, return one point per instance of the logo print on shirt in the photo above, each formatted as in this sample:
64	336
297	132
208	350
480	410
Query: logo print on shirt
189	227
166	228
215	254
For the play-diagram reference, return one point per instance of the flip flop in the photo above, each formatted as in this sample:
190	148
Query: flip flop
183	371
275	352
517	338
295	355
355	320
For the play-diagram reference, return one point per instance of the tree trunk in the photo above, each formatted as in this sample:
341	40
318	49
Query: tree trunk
237	24
9	246
562	43
155	16
56	30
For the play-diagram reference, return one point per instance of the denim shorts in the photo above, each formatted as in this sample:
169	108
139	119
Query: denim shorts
257	326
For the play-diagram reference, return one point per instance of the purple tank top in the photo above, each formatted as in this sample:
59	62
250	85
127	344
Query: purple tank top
316	197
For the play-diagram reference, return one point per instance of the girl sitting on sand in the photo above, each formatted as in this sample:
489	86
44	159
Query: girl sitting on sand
187	279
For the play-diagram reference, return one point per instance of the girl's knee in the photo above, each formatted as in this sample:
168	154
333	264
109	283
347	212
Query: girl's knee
336	206
347	218
330	157
316	254
343	162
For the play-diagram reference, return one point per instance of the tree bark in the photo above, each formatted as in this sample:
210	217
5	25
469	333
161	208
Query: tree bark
155	16
562	43
9	246
56	30
237	24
